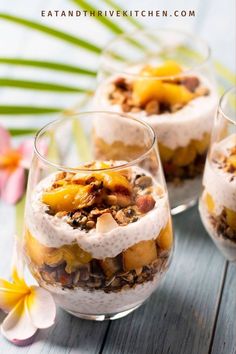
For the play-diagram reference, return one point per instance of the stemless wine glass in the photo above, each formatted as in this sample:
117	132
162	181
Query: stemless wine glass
217	204
165	78
98	232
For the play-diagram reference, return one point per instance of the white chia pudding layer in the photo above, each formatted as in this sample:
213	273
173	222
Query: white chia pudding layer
218	183
53	231
226	246
173	130
98	302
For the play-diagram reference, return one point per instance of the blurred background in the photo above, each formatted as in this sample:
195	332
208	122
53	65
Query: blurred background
34	86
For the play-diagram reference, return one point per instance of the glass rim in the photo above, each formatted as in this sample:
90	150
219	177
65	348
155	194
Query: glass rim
163	29
220	106
61	167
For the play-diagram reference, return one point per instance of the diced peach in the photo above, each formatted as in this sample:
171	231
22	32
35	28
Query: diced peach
62	198
175	94
232	160
39	254
110	266
201	146
209	203
147	89
168	68
115	181
231	218
73	255
184	156
139	255
35	250
165	152
165	238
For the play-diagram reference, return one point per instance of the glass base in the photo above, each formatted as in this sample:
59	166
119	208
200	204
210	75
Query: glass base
108	316
180	208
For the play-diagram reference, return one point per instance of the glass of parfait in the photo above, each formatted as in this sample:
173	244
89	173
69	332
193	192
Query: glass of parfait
165	78
217	204
98	232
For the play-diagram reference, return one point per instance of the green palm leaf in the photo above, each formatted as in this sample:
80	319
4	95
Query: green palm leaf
50	65
52	32
23	131
25	110
38	85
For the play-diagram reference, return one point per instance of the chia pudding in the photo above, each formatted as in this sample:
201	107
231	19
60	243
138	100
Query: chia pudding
100	241
180	108
218	202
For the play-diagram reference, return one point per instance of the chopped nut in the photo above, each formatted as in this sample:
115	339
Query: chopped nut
121	217
138	271
61	214
111	199
60	175
90	224
202	91
125	107
176	107
145	203
152	107
143	182
191	83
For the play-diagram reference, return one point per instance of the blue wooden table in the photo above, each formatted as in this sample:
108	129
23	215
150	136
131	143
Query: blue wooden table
192	312
194	309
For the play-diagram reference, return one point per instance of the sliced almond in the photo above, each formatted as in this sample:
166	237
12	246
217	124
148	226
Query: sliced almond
105	223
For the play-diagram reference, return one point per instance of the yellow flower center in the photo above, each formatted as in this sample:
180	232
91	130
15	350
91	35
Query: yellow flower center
10	160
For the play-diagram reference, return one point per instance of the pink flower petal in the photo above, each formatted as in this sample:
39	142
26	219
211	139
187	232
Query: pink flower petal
41	307
17	326
14	187
4	175
5	140
26	149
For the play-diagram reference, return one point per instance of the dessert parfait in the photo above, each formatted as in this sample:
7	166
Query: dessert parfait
218	202
175	96
99	238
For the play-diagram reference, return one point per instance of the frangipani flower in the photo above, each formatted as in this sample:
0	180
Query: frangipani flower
29	308
13	162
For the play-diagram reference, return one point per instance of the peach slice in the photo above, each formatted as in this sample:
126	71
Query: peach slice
209	203
73	255
232	160
165	152
139	255
147	89
35	250
176	94
62	198
115	181
165	238
231	218
169	68
202	145
184	155
39	254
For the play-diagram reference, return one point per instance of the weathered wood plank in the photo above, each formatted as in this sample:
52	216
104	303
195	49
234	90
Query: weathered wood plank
69	334
179	317
224	338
